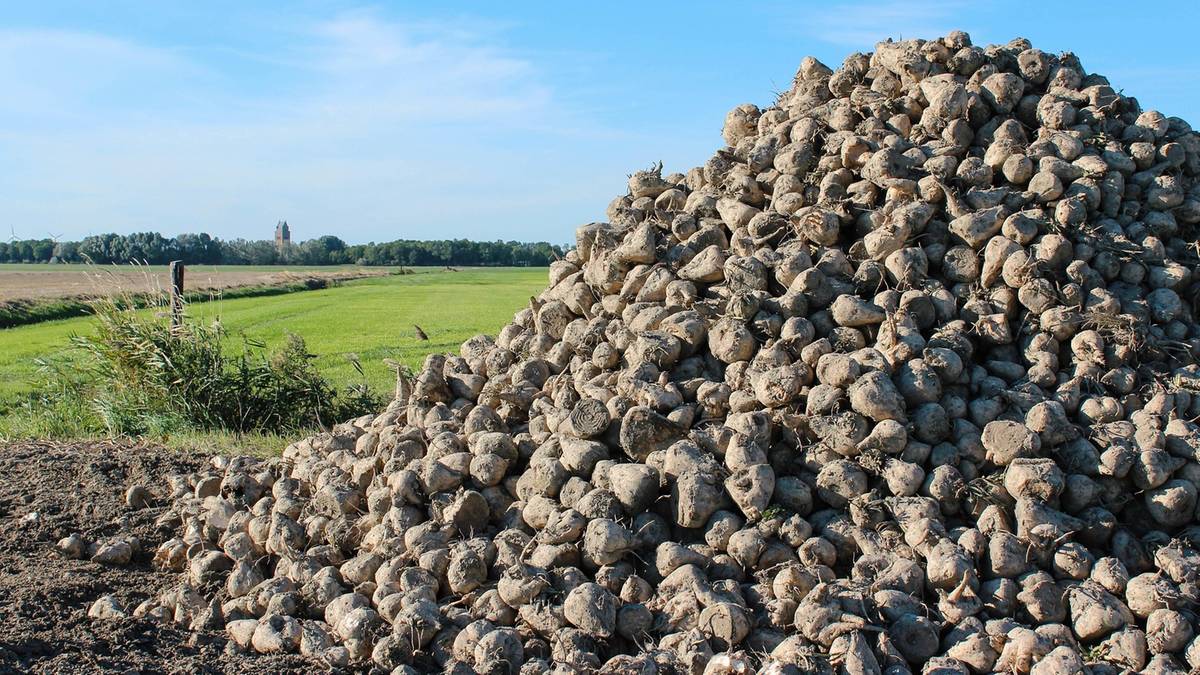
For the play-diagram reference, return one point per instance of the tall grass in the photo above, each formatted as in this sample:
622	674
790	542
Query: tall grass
135	374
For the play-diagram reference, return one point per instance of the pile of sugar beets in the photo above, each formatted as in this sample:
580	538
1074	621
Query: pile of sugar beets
902	380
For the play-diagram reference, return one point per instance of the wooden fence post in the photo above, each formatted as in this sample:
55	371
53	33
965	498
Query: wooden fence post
176	293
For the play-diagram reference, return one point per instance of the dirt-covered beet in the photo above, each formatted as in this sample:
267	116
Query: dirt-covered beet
903	379
52	491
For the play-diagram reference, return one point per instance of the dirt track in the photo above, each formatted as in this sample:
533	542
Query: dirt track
77	281
44	597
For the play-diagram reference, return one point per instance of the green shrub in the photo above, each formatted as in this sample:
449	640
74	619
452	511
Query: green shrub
139	375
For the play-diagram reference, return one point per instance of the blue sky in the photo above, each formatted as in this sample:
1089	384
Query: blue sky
430	120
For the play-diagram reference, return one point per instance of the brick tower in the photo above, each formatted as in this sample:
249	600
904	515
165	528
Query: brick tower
283	235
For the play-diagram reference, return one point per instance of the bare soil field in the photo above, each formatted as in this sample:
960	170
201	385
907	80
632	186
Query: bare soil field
44	597
44	282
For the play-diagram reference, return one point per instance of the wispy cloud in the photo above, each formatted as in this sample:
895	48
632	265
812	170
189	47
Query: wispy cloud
382	124
424	70
50	75
861	25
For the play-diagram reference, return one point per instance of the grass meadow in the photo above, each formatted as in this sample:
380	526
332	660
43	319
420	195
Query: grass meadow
368	319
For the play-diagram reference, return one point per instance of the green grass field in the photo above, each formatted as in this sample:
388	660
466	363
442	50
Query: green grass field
372	318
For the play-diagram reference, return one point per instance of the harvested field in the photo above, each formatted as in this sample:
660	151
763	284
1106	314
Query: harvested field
44	598
44	282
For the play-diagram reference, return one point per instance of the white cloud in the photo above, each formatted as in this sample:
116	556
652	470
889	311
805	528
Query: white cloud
383	129
862	25
421	71
55	75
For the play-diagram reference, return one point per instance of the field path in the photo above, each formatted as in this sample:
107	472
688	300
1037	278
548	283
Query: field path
43	282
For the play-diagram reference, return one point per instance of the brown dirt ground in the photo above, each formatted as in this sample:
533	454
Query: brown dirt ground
90	282
44	597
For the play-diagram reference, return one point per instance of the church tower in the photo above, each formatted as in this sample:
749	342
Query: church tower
283	235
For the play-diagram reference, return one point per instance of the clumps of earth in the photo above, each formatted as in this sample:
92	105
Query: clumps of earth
902	380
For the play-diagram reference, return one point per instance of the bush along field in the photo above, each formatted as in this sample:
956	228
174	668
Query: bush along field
242	371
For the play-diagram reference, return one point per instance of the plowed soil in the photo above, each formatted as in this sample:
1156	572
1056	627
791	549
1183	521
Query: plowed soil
41	282
48	491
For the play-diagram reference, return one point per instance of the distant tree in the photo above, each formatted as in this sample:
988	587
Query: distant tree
41	250
197	249
22	251
248	252
66	251
321	251
101	248
335	249
148	247
332	243
155	249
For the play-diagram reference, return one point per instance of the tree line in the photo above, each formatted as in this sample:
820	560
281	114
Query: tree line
155	249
